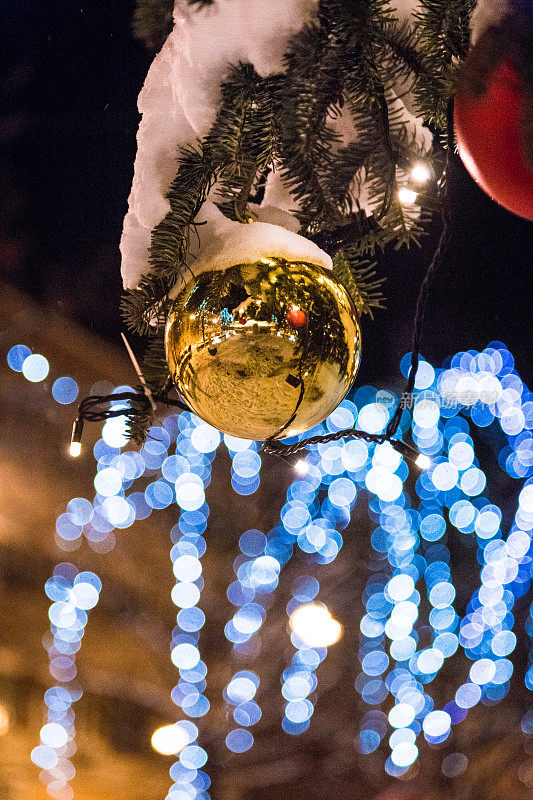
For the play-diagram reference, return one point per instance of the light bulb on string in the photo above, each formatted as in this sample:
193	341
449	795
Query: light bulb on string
423	461
301	467
420	173
75	449
75	439
407	196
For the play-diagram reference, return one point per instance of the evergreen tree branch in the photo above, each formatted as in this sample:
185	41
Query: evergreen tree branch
146	306
400	57
251	145
344	61
306	151
358	276
444	36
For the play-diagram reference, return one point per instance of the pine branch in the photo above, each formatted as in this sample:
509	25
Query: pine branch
244	142
146	306
347	56
232	142
153	19
357	30
383	132
329	57
311	93
188	191
344	176
444	31
400	57
358	276
443	27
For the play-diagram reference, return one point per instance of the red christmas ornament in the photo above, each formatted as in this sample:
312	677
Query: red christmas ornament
490	139
296	318
243	320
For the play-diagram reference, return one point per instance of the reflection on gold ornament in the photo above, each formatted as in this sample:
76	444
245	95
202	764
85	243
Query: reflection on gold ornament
263	349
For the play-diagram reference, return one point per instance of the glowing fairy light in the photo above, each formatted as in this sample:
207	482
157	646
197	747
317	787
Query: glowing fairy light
75	439
423	461
420	173
35	368
407	196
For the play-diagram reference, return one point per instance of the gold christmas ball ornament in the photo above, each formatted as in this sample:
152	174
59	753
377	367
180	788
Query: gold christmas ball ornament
266	349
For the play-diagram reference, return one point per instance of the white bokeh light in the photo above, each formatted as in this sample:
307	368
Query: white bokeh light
170	739
315	626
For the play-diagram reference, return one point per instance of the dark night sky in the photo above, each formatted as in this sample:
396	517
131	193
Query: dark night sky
71	75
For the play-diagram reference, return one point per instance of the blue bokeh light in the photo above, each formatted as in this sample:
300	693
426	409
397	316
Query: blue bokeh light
65	390
17	355
411	541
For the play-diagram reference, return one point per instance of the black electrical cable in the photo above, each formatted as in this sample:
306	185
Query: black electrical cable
89	410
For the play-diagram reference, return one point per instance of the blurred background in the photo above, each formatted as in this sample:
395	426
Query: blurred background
70	77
